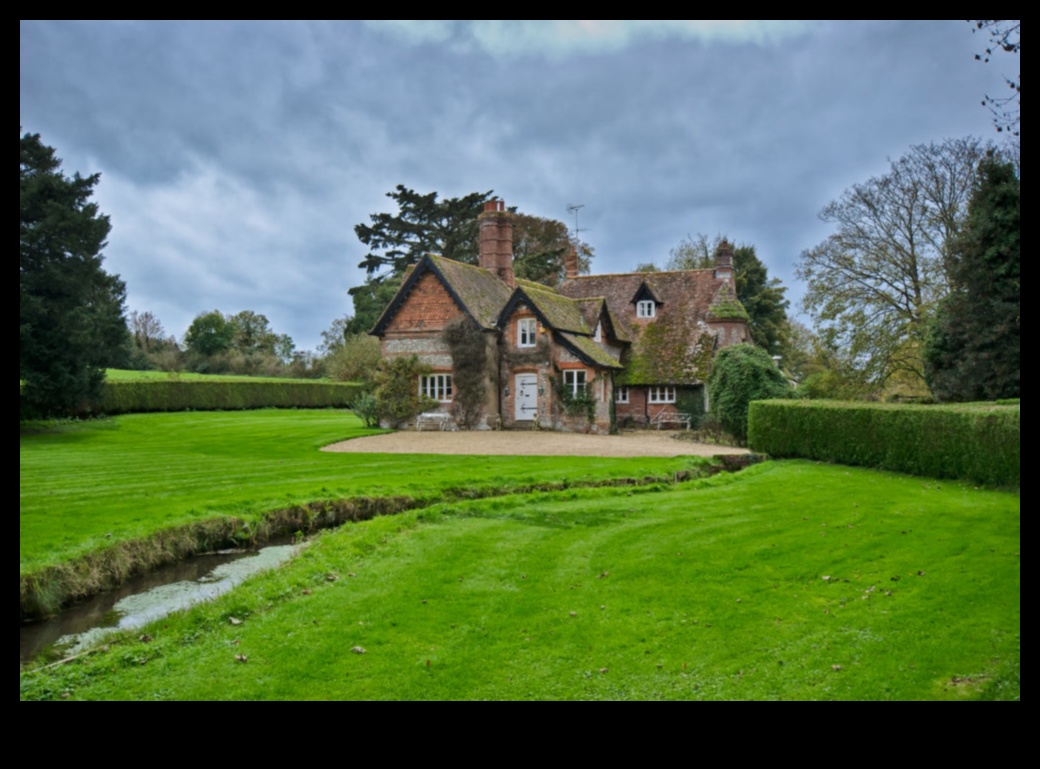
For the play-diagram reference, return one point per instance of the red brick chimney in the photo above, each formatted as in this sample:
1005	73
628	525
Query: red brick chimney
570	264
724	261
496	241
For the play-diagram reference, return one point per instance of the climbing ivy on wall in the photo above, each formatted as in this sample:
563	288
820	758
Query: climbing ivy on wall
469	370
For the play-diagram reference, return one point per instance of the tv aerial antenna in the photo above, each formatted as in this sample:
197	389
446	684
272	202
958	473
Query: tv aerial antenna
573	208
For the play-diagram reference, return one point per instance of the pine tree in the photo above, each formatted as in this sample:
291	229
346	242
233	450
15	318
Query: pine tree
71	312
974	347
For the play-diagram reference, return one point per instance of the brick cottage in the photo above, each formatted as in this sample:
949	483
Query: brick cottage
594	352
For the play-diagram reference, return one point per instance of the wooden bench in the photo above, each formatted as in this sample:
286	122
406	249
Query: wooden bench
677	418
439	418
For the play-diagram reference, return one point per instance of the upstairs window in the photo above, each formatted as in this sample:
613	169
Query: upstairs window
646	308
526	331
436	386
662	395
574	381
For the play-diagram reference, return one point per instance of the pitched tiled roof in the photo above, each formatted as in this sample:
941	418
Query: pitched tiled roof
481	292
560	312
675	346
589	350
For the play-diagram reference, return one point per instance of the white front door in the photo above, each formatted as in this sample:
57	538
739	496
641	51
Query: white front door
526	401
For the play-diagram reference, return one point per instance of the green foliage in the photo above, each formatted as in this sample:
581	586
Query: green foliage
209	334
582	404
469	360
370	300
978	442
243	343
741	374
71	312
176	394
355	360
422	225
398	389
873	285
540	246
366	408
973	351
690	400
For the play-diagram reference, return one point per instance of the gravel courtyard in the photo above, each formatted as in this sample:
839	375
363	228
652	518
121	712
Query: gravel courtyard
642	443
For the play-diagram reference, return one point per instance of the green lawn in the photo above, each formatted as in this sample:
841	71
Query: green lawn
790	580
86	485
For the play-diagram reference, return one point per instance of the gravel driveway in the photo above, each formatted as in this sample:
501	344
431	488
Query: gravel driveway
642	443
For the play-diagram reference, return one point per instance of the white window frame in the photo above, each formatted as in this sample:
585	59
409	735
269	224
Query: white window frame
436	386
527	332
646	308
621	394
576	381
662	394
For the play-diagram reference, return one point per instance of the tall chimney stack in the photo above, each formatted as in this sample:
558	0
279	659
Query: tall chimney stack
724	261
496	241
570	264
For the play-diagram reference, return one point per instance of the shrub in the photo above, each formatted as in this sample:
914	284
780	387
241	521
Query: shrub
741	374
356	360
398	392
978	442
366	408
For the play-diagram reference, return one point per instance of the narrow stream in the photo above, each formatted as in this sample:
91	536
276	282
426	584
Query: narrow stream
147	598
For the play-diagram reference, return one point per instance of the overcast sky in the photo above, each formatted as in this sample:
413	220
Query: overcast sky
236	157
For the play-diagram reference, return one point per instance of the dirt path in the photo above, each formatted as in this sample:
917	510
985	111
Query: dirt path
552	444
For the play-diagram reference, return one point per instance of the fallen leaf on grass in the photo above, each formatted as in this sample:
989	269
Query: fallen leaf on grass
358	650
241	658
835	667
604	574
331	576
145	638
234	620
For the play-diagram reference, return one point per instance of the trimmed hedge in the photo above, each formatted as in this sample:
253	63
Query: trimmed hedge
978	442
176	395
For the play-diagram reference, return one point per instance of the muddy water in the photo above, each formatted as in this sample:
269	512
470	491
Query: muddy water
147	598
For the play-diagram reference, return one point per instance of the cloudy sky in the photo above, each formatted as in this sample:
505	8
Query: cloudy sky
236	157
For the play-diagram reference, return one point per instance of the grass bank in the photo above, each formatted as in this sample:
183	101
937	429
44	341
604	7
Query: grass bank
791	580
103	499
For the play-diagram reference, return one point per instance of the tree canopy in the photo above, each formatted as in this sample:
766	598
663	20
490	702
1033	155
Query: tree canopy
1005	36
423	224
974	347
71	319
428	224
873	285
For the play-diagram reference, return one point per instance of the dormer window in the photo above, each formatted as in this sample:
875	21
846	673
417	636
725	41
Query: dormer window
646	308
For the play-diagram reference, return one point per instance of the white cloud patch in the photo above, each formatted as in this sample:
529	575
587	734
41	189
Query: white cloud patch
570	37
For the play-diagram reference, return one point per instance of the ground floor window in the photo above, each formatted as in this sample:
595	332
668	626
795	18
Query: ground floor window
436	386
621	395
574	382
662	395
